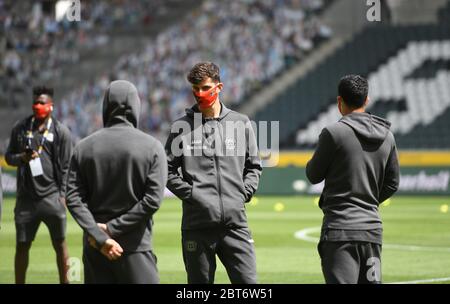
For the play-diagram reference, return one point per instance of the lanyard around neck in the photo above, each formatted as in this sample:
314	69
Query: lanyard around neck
44	137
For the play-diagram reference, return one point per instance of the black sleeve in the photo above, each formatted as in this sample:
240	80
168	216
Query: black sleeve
144	209
76	200
13	152
65	152
175	182
317	167
253	168
391	176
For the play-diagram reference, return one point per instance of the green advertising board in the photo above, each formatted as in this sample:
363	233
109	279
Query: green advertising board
421	173
413	180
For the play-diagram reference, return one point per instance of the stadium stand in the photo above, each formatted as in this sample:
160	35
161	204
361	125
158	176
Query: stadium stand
35	47
408	71
264	35
91	62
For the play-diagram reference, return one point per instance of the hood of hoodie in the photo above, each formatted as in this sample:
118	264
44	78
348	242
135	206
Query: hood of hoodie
194	109
121	104
367	126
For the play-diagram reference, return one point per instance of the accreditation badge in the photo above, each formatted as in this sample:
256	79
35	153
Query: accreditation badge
36	167
50	137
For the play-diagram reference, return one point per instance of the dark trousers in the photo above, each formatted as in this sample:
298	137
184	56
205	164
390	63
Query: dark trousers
131	268
233	246
29	214
350	262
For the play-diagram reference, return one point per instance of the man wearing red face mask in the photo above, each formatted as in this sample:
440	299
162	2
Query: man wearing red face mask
40	147
220	169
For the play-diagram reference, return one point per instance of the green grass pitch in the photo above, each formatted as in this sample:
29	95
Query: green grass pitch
416	234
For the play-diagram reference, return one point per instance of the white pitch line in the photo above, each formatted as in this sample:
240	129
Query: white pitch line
416	248
304	235
423	281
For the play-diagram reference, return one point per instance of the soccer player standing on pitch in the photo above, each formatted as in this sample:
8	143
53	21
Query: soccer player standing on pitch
357	158
115	184
40	148
220	171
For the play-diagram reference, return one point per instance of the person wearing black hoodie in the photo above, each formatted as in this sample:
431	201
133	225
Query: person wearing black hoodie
214	168
357	158
40	147
115	185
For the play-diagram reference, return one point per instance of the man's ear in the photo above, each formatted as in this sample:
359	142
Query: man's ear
220	87
339	104
366	102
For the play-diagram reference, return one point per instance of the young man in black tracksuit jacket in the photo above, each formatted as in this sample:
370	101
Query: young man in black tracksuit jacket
214	169
357	158
115	184
40	147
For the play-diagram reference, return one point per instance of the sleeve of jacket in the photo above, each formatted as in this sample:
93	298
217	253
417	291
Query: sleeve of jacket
13	153
391	176
175	182
317	167
65	154
253	168
144	209
76	200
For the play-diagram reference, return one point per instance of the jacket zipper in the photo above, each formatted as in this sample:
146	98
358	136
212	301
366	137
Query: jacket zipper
219	185
222	215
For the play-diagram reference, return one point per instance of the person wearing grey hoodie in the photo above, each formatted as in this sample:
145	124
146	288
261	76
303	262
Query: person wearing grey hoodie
357	158
214	168
115	185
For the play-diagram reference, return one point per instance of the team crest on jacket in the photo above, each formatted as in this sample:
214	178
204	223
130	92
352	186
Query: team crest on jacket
230	143
191	246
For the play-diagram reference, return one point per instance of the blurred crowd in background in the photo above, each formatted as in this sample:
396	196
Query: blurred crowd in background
35	46
251	40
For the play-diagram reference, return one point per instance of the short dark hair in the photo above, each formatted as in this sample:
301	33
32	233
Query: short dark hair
42	90
354	90
203	70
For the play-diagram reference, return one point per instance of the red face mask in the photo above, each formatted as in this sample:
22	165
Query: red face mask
41	111
206	99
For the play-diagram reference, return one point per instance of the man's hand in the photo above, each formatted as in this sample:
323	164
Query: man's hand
92	242
28	156
62	200
104	228
111	249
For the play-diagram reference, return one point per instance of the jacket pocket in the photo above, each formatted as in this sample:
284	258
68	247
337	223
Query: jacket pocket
189	199
201	195
243	192
203	206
